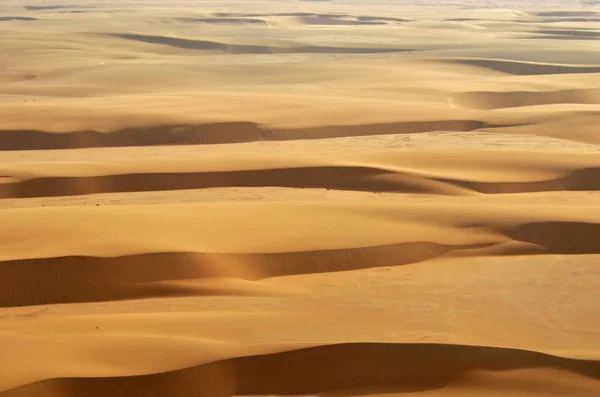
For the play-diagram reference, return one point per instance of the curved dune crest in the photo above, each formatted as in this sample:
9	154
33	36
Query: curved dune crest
155	275
233	21
566	13
215	133
390	171
207	45
108	267
338	178
568	34
159	275
211	228
499	100
8	19
521	68
338	20
381	367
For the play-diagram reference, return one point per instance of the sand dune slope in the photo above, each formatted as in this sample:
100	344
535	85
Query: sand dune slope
426	172
189	243
298	372
496	100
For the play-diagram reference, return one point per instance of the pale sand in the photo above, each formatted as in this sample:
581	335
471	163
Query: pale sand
299	198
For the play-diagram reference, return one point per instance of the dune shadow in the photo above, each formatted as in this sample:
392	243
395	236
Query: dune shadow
8	19
93	279
347	178
43	8
525	68
321	370
513	99
207	45
217	133
566	14
242	21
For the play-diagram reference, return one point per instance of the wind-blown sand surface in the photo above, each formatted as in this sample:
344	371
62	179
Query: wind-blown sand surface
299	198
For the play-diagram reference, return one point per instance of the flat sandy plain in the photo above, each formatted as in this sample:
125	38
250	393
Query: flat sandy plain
299	198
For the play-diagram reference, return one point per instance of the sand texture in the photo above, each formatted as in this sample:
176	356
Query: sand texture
299	198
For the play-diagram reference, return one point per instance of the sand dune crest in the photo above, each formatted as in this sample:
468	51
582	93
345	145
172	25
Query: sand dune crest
298	373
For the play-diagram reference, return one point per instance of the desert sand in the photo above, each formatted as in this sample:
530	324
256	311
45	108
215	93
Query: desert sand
299	198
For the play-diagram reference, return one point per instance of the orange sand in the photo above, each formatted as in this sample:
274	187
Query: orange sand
281	198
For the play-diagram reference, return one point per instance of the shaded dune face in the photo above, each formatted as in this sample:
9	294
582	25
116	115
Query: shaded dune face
365	179
179	274
499	100
3	19
155	273
315	198
528	68
248	49
223	20
174	274
217	133
368	367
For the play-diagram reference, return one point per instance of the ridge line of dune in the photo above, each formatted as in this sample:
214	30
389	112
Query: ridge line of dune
513	99
216	133
156	274
520	68
143	275
208	45
299	372
337	177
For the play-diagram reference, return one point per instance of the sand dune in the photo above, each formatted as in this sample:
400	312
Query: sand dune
298	373
216	133
44	7
249	49
526	68
223	20
578	34
562	14
187	273
4	19
333	20
119	272
342	178
379	172
572	19
312	18
278	198
144	328
497	100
